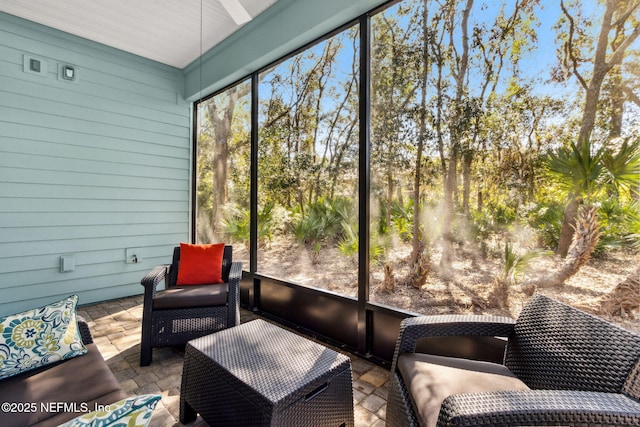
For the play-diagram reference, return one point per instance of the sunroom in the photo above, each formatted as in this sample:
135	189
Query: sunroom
368	161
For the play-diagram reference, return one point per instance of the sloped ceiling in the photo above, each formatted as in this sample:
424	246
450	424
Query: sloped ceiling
173	32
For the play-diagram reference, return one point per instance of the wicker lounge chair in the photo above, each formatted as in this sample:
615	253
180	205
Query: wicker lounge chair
179	314
561	367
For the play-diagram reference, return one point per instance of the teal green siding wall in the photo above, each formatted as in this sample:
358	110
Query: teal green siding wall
281	29
88	168
94	167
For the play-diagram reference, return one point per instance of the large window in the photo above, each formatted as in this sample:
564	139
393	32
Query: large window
308	166
487	145
490	140
223	164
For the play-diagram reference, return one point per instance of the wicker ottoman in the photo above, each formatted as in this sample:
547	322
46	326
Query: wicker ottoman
258	374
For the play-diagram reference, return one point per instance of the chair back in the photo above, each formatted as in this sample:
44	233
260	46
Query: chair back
556	346
172	277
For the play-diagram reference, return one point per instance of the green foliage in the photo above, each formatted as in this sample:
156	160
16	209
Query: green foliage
323	220
546	219
618	224
493	219
576	169
349	244
237	224
401	220
632	221
623	166
516	264
605	176
587	172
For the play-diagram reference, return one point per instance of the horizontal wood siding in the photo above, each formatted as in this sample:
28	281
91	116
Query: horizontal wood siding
88	168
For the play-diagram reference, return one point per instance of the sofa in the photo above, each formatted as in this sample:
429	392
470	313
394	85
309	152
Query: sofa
58	392
560	366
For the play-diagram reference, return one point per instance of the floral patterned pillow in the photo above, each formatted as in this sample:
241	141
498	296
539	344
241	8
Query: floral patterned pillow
131	412
39	337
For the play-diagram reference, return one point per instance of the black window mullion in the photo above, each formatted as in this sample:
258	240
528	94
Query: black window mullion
363	187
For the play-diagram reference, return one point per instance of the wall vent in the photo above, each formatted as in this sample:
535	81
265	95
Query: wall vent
35	65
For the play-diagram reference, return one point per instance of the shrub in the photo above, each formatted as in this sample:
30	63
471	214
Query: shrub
237	224
323	220
349	244
547	221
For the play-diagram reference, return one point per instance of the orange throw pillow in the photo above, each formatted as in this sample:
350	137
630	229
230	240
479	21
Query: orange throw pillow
200	264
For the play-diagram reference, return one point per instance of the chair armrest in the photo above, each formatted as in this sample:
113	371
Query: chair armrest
235	274
151	279
539	408
85	332
414	328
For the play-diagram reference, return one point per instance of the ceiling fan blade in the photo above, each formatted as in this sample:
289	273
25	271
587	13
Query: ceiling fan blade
238	13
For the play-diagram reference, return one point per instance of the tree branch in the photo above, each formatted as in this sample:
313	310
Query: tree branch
618	55
631	96
569	47
626	14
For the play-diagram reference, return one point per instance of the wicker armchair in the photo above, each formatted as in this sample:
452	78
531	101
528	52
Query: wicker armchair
561	367
179	314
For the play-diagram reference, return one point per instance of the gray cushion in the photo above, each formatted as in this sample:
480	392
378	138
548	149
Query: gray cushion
82	380
431	379
191	296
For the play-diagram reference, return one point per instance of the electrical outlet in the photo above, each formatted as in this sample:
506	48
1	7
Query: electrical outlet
133	255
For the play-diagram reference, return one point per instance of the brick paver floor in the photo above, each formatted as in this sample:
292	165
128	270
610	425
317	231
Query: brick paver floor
116	325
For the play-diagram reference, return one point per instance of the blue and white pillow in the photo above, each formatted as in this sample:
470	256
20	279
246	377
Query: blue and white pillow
131	412
39	337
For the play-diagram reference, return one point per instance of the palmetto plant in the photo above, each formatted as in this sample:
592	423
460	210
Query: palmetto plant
623	166
576	169
237	224
588	175
515	264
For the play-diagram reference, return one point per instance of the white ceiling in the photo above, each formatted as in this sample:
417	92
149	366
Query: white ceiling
167	31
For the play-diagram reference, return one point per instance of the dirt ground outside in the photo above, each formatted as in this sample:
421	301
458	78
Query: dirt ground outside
467	288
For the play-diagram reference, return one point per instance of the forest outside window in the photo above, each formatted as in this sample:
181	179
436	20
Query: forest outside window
308	166
490	136
222	172
497	129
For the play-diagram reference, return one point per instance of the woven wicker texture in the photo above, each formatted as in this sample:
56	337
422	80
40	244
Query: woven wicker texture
260	374
584	370
539	407
399	409
632	385
415	328
555	346
85	332
168	327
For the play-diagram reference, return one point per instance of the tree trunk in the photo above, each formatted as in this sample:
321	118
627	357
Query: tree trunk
585	239
456	133
467	159
416	240
222	121
447	231
568	225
